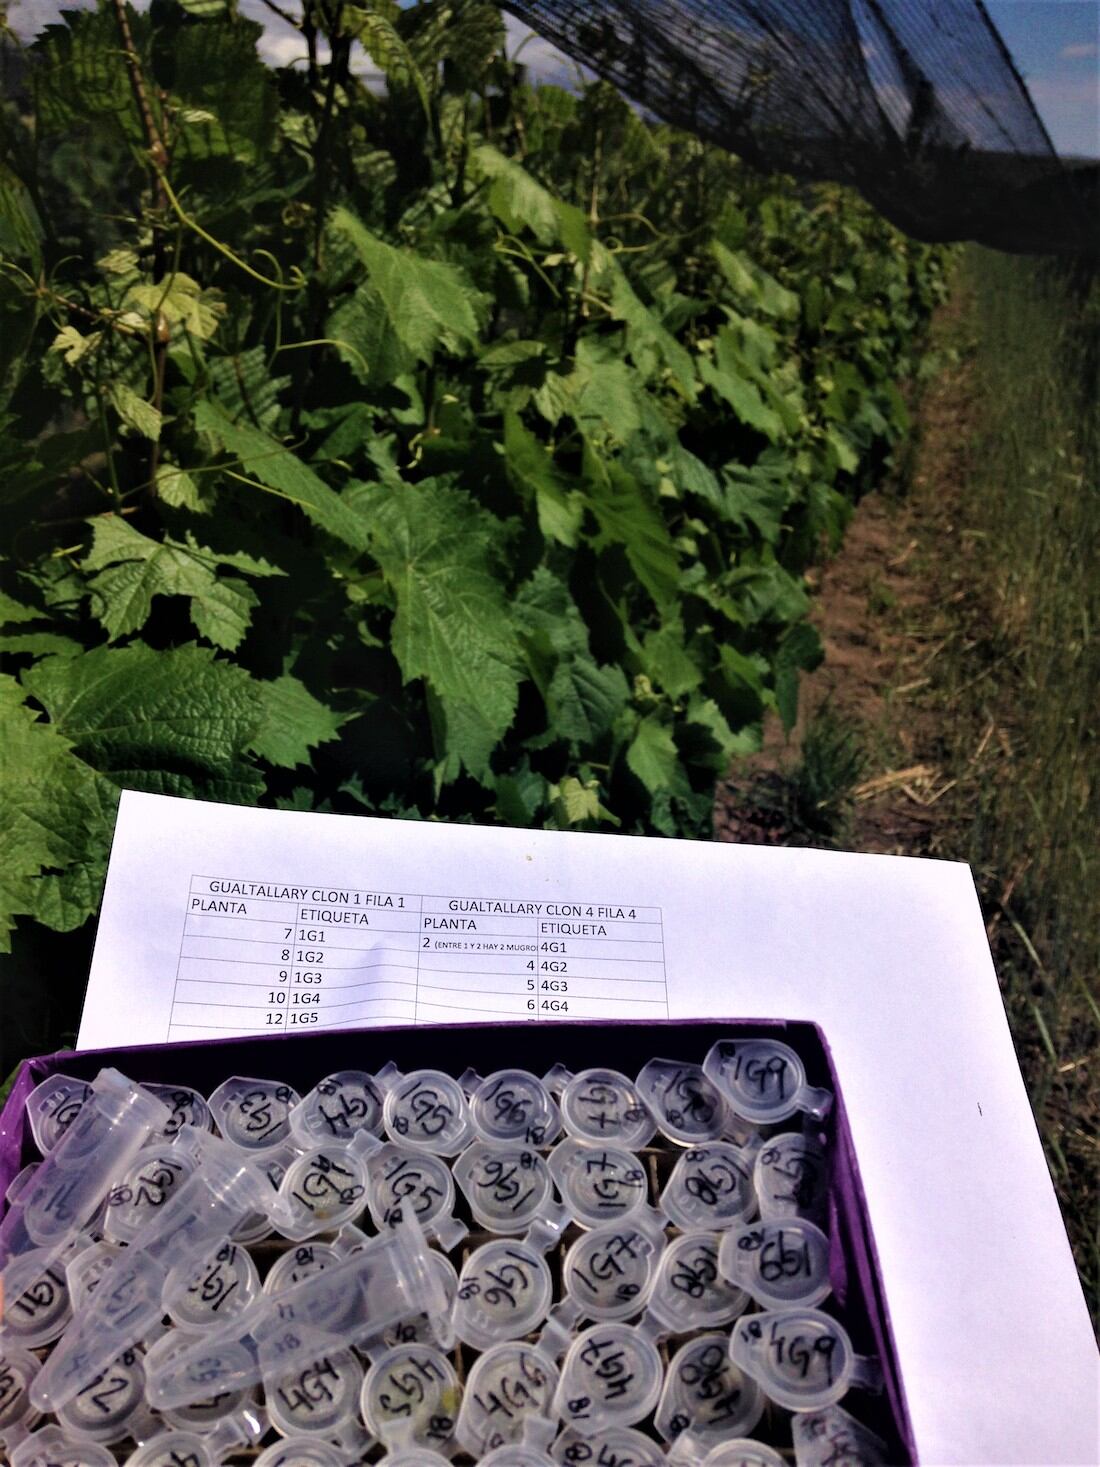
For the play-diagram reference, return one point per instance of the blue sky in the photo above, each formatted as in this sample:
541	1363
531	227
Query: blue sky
1055	46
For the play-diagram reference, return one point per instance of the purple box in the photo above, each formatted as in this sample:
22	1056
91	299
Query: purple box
858	1298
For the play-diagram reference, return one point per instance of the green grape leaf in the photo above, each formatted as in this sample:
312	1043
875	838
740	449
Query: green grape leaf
799	648
51	819
559	505
131	569
139	416
626	518
429	303
749	282
293	723
452	625
267	460
584	700
177	720
653	756
520	201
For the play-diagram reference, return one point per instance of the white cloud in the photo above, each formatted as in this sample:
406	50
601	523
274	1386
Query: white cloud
1079	52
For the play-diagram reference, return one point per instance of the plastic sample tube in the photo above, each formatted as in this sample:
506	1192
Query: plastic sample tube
609	1272
620	1446
504	1292
338	1108
408	1183
603	1106
790	1176
223	1286
112	1405
507	1184
689	1293
68	1187
254	1114
52	1106
421	1328
516	1455
706	1399
598	1184
129	1299
710	1187
18	1368
426	1110
781	1263
802	1358
176	1448
508	1398
324	1188
411	1394
744	1452
139	1193
40	1314
319	1398
611	1376
512	1106
688	1108
186	1108
51	1447
350	1303
300	1451
271	1166
822	1438
311	1258
763	1081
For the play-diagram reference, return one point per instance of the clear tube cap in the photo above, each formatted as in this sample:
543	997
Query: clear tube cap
689	1292
109	1407
320	1398
39	1315
688	1108
254	1114
507	1184
620	1446
52	1106
142	1191
516	1455
710	1187
299	1451
781	1262
764	1081
513	1106
224	1285
408	1183
51	1447
186	1107
609	1271
744	1452
427	1110
504	1292
802	1358
706	1398
605	1106
611	1376
790	1176
509	1391
18	1368
337	1108
833	1438
411	1394
320	1192
598	1184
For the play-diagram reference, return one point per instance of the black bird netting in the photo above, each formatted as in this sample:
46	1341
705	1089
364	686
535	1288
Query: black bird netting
916	103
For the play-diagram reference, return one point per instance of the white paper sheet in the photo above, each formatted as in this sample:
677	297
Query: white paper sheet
201	934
